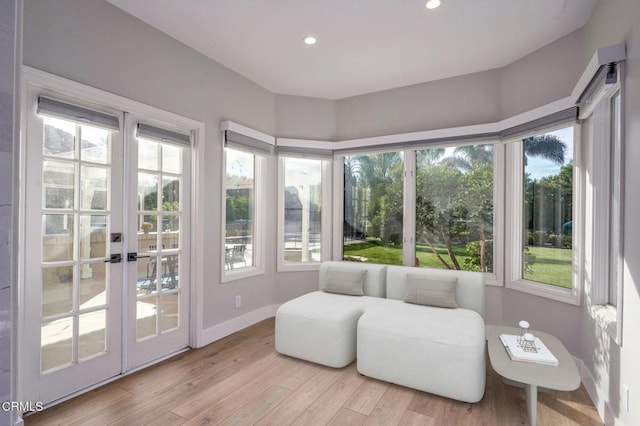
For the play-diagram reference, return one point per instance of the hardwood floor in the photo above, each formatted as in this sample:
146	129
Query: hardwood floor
241	380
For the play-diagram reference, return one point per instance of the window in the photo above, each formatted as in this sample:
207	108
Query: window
541	210
304	195
241	188
454	208
428	207
373	208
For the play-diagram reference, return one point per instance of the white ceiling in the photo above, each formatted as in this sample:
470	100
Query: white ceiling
364	46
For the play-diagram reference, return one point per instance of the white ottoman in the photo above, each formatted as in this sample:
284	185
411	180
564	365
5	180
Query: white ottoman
436	350
321	327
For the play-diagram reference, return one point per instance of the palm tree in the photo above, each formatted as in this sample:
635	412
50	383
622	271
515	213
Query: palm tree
549	147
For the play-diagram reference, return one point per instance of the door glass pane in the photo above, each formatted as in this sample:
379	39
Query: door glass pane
59	138
170	194
373	209
146	318
171	233
548	208
171	159
58	181
302	209
148	155
169	307
57	290
93	285
93	237
93	188
95	144
147	234
146	282
170	272
454	208
56	339
92	334
147	192
240	200
57	238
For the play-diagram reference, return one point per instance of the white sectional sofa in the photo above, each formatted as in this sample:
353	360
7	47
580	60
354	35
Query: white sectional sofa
433	349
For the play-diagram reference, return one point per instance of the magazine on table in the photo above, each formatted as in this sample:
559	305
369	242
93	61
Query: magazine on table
516	351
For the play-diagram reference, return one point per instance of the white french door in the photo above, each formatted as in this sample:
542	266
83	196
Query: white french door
106	247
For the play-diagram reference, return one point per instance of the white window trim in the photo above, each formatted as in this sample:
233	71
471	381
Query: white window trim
326	234
598	188
259	222
513	225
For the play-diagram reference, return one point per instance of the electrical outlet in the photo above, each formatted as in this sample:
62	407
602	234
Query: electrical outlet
625	397
238	301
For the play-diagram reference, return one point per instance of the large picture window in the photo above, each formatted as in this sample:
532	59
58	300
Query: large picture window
454	208
373	208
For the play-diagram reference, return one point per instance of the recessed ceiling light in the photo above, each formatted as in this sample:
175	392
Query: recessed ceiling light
309	40
432	4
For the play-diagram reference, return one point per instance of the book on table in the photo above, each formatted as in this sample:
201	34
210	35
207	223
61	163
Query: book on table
542	355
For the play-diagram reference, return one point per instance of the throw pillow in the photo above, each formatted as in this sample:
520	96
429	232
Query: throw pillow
440	292
345	281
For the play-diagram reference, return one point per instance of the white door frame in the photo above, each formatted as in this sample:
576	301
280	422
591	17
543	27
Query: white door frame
54	85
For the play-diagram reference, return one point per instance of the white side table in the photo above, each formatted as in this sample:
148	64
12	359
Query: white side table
563	377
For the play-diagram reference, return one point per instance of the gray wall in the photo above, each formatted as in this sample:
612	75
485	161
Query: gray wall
8	40
300	117
95	43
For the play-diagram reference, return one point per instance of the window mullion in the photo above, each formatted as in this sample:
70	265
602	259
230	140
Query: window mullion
409	209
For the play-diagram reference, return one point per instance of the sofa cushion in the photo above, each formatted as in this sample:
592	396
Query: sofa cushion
440	292
374	280
345	281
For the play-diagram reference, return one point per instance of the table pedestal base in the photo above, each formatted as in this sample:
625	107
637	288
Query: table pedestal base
531	391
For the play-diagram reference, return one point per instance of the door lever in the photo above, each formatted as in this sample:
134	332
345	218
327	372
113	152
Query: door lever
114	258
132	257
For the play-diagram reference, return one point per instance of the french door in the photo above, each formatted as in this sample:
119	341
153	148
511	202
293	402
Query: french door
106	238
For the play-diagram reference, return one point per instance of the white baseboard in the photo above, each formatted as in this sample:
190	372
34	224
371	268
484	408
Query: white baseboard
218	331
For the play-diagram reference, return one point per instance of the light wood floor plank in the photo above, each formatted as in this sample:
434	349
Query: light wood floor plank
242	380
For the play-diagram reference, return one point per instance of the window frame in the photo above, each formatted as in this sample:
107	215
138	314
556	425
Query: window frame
495	278
606	166
326	219
259	219
513	199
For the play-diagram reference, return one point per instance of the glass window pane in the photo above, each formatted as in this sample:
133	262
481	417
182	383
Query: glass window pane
169	310
170	194
170	272
92	336
57	238
58	181
147	275
373	208
59	138
548	208
57	290
148	155
93	237
56	340
93	188
454	208
171	232
147	192
240	199
614	214
92	285
302	209
146	317
171	159
94	144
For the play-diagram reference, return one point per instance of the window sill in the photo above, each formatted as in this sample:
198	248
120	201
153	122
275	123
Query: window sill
606	317
241	273
548	291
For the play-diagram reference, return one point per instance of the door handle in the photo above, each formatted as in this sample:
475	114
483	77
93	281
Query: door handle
114	258
132	257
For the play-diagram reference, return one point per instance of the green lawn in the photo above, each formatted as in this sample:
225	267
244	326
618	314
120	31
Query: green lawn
549	265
